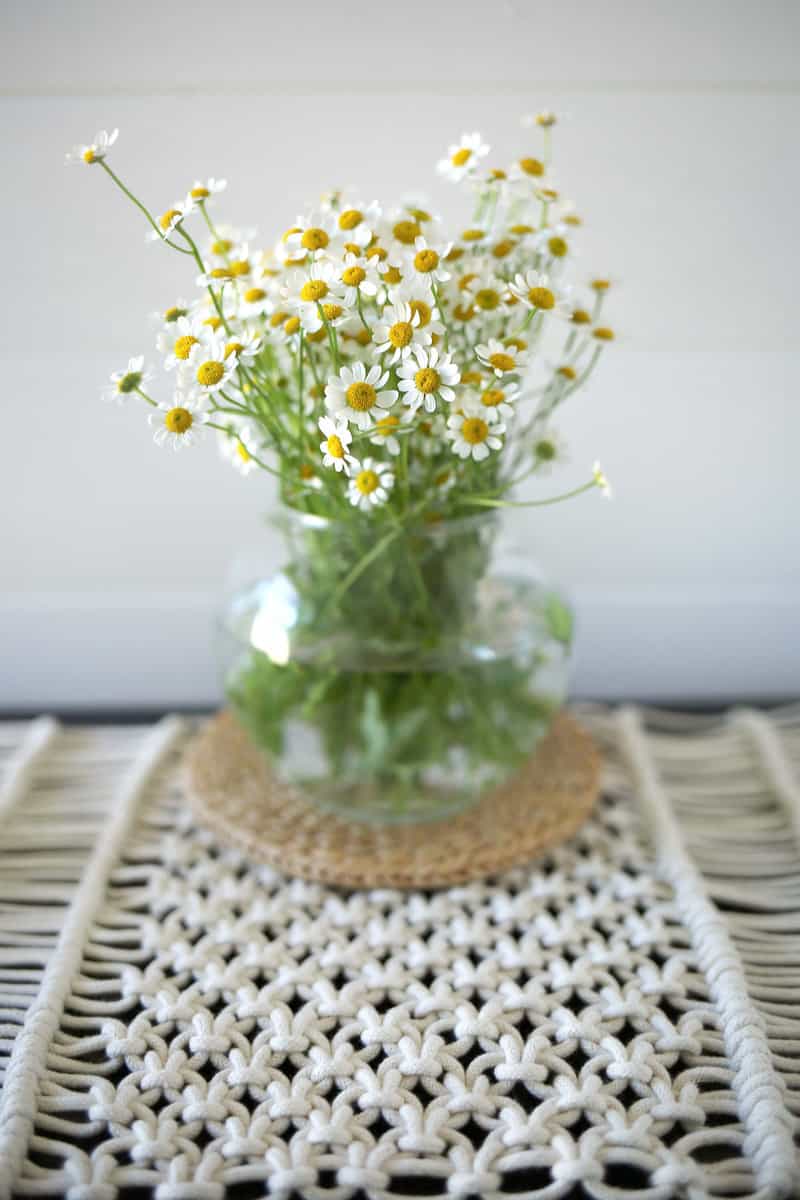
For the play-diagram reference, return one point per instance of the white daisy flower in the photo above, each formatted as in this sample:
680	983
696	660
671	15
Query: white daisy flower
357	222
135	377
359	395
370	483
427	376
172	217
183	341
203	189
212	369
244	343
94	151
535	290
169	316
335	448
357	280
384	434
398	331
472	435
422	303
180	423
529	170
428	261
548	448
497	403
239	447
314	316
543	120
310	286
254	300
310	234
502	358
601	481
463	157
486	291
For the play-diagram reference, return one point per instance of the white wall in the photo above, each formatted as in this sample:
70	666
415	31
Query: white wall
679	143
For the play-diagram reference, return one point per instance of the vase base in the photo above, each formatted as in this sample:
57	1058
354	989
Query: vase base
232	791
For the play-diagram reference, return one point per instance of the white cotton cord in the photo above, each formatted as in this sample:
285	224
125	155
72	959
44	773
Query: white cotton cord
39	737
28	1061
759	1089
775	763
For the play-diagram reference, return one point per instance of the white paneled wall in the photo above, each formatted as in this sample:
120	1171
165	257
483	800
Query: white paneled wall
679	143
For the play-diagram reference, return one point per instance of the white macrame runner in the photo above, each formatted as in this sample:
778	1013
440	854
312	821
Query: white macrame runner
622	1019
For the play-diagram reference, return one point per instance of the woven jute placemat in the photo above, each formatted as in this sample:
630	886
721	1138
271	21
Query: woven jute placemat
233	791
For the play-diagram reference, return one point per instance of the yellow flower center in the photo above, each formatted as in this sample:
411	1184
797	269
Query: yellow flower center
502	249
497	173
580	317
290	233
377	252
400	334
220	273
461	157
487	299
178	420
210	373
471	377
545	450
199	193
314	239
392	275
603	333
572	219
291	325
463	312
366	482
426	260
557	247
243	452
422	310
474	430
129	382
541	297
363	337
426	380
492	397
172	314
165	220
335	447
567	371
386	424
472	235
331	311
319	335
183	346
406	232
233	348
515	342
254	294
454	254
503	362
532	166
213	322
313	290
277	319
353	276
222	246
601	285
521	230
306	471
420	214
465	281
350	218
361	396
239	266
89	156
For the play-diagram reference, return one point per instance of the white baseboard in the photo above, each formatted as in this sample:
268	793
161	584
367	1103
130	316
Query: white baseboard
73	650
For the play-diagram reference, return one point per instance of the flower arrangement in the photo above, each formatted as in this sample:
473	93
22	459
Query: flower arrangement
396	380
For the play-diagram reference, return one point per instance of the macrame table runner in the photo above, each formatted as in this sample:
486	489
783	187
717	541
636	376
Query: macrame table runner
620	1019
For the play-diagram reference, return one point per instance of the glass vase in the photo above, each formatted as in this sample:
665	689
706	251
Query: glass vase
395	673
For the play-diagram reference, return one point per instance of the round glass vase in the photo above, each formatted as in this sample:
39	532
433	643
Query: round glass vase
395	673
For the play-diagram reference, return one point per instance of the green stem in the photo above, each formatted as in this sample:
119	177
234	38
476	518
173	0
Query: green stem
486	502
145	396
134	200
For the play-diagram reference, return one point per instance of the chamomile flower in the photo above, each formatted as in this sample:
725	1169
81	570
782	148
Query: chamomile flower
370	483
241	448
427	376
211	370
429	261
183	341
170	315
542	120
171	218
472	436
359	395
463	157
180	423
312	285
310	235
398	331
357	280
202	190
601	480
244	343
529	169
254	300
548	449
384	434
500	357
486	291
536	292
336	445
134	378
93	152
420	300
356	223
497	402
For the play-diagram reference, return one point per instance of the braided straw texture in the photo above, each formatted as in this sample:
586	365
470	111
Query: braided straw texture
619	1019
232	791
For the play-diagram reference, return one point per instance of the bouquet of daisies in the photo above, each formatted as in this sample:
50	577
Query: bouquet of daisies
394	377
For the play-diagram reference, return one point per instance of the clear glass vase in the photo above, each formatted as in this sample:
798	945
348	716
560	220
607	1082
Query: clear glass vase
394	673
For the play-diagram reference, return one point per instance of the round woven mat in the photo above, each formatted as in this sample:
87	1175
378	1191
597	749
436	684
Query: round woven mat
232	791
